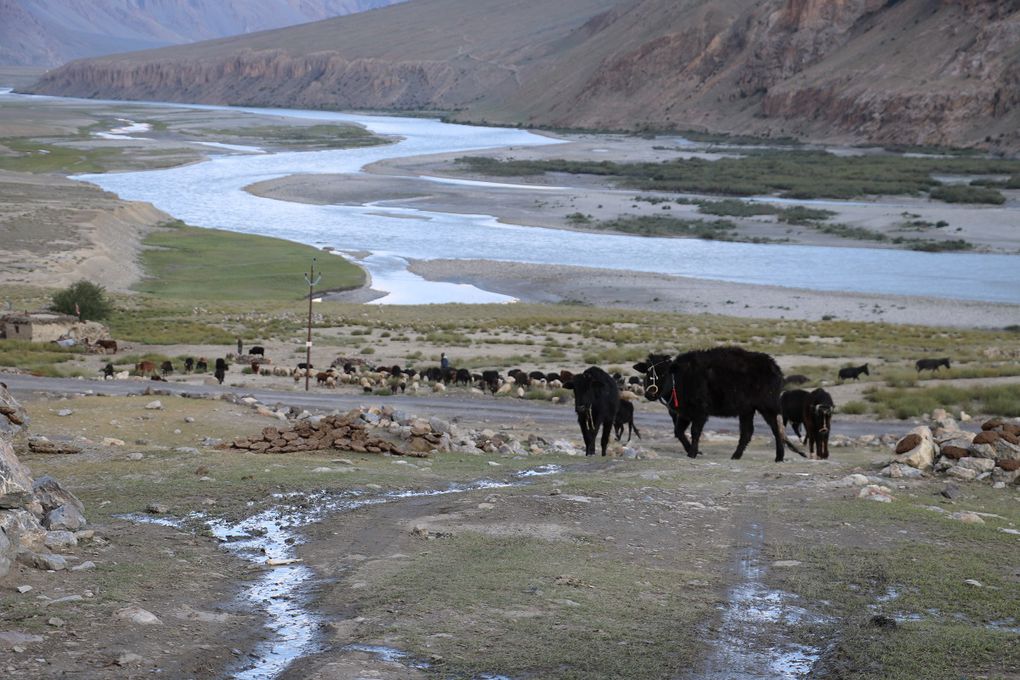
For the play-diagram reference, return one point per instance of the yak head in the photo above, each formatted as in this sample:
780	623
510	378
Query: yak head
657	380
584	392
823	417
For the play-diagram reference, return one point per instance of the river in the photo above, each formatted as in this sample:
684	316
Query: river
211	194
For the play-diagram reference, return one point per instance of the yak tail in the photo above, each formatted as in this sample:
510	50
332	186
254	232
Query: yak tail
786	440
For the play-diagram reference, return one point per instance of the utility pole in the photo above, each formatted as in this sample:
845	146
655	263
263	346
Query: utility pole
312	280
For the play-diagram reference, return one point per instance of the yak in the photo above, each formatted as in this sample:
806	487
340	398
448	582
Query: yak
625	418
931	364
791	403
596	400
853	372
221	370
723	381
817	417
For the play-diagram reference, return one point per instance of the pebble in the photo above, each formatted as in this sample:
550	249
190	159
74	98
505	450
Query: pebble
974	583
137	615
55	621
24	589
157	508
967	517
65	412
154	405
84	566
189	419
786	563
136	455
128	658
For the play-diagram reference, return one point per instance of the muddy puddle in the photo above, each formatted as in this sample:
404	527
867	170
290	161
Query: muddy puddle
762	630
268	539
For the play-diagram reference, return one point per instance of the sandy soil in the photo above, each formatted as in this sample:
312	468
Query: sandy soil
659	292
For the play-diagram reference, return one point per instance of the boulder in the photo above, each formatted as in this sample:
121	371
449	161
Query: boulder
49	492
13	418
917	449
876	492
22	528
900	471
15	482
962	473
979	465
1009	465
8	551
66	517
44	445
44	561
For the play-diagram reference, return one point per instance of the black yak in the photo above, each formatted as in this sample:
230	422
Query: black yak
724	381
817	416
596	400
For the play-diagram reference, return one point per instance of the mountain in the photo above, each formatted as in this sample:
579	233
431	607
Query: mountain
51	32
933	72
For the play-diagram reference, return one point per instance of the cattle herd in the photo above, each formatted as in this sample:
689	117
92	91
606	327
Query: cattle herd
693	386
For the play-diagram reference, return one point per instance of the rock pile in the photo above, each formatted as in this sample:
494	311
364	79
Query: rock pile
348	432
992	454
36	517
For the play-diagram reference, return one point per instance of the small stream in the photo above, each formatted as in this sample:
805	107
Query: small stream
282	592
757	639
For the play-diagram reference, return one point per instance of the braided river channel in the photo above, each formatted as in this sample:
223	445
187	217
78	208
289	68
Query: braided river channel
211	194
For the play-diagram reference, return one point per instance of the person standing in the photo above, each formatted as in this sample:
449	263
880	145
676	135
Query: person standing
240	347
444	363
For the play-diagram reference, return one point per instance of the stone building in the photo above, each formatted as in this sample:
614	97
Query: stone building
48	327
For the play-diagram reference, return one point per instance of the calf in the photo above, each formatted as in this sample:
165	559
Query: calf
853	372
931	364
108	346
792	404
166	368
257	349
817	417
189	365
108	371
596	402
221	370
625	416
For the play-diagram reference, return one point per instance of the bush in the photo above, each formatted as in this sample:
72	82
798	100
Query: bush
83	299
967	194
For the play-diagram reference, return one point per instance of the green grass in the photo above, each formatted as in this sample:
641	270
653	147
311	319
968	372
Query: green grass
654	225
849	567
634	620
958	193
196	264
41	358
798	215
36	157
793	174
908	402
308	136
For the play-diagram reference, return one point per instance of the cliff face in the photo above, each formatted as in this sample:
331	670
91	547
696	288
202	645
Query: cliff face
889	71
51	32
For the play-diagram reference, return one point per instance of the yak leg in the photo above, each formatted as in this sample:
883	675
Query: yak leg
796	431
696	427
772	419
589	436
607	427
680	425
746	430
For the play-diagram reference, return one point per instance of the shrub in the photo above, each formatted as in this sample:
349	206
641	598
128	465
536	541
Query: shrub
967	194
84	299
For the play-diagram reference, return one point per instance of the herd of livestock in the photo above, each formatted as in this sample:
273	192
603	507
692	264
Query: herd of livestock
693	386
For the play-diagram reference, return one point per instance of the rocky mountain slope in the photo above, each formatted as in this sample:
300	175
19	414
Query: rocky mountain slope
889	71
51	32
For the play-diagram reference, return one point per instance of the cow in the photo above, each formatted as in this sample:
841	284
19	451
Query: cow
463	377
221	370
596	401
189	365
791	403
625	417
202	365
491	380
795	379
931	364
817	417
108	346
166	368
853	372
257	350
723	381
145	367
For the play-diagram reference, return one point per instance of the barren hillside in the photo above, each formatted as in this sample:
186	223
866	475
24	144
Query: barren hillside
51	32
889	71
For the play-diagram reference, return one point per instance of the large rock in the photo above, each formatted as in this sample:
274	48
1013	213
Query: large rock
15	482
13	418
49	492
7	553
22	528
917	449
65	518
